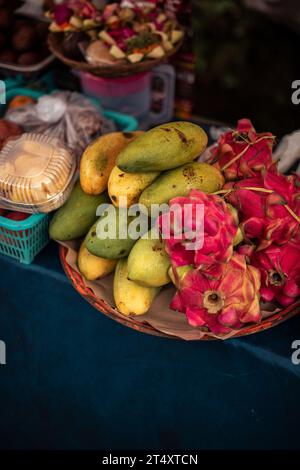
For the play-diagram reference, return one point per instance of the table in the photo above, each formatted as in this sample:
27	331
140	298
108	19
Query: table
75	379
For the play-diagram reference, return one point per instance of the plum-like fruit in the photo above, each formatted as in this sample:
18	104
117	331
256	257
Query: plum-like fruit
7	55
5	18
28	58
24	38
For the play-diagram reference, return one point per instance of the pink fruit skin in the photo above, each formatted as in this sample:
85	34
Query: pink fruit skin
219	232
264	216
109	10
280	272
83	9
256	158
221	304
62	13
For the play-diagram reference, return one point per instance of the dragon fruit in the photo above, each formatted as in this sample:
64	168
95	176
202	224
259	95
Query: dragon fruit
89	11
243	153
220	304
110	10
219	230
280	272
62	13
269	207
83	8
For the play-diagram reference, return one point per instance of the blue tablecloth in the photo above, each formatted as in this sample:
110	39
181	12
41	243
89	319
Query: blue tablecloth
75	379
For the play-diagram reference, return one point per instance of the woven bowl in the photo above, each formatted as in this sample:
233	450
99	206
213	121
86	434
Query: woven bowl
104	307
109	71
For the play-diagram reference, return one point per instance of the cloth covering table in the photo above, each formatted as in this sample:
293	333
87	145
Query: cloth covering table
75	379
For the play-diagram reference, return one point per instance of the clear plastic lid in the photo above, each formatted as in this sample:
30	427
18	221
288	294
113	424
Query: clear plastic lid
36	173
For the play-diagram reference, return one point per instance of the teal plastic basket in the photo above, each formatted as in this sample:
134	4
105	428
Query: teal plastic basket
124	122
24	239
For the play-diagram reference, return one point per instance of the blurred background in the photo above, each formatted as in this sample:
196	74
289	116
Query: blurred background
246	60
239	59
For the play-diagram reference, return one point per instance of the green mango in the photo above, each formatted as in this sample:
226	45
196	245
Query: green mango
112	246
163	147
180	181
181	271
148	262
76	216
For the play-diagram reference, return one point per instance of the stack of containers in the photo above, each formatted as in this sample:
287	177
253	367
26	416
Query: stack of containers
36	176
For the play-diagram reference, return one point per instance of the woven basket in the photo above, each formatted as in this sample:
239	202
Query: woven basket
104	307
121	69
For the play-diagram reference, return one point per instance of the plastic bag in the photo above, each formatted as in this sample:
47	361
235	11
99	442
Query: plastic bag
69	116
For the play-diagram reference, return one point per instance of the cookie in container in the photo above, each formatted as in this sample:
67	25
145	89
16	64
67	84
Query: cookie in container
36	173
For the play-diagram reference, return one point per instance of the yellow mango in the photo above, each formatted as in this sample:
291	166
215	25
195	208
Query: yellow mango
99	158
130	297
124	189
148	262
93	267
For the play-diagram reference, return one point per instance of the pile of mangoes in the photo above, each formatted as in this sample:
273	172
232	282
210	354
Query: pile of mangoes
148	168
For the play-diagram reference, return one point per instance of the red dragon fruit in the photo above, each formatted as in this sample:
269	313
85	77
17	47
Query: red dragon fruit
62	13
243	153
218	225
121	35
280	272
268	206
221	304
109	10
83	8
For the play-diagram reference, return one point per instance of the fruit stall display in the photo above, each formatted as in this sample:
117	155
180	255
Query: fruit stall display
243	278
117	40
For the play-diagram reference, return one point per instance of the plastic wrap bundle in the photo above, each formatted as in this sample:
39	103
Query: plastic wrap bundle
68	116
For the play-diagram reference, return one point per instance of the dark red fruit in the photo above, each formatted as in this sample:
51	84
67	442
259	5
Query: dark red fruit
8	56
24	38
15	215
28	58
5	18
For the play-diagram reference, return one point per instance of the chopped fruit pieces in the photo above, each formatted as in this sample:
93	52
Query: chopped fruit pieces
117	53
134	58
156	53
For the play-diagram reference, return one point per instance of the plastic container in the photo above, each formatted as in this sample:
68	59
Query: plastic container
128	94
23	240
36	173
133	94
162	94
27	69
